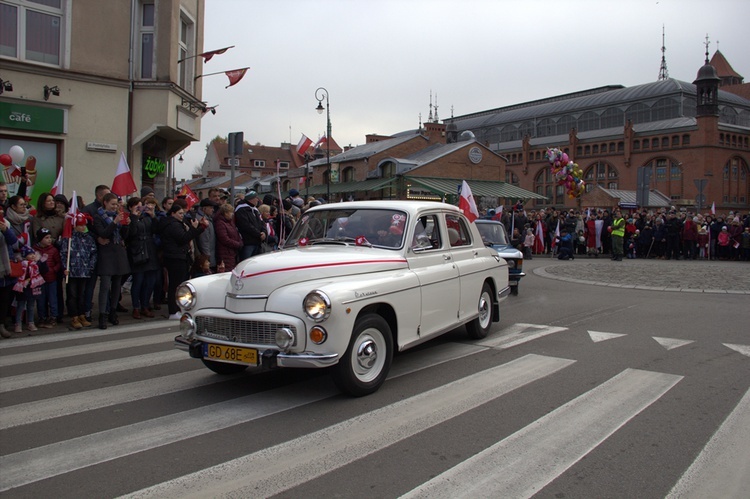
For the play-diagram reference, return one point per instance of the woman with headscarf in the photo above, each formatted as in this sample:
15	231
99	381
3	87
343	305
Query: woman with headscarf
111	229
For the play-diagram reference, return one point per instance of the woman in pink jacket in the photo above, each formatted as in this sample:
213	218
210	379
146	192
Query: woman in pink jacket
228	240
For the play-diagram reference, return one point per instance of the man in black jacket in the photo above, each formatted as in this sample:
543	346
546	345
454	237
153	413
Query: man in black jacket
251	227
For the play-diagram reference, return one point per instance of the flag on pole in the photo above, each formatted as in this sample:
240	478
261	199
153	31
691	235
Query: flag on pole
557	234
208	55
539	238
235	76
713	208
321	141
467	204
123	184
303	145
70	218
190	197
57	187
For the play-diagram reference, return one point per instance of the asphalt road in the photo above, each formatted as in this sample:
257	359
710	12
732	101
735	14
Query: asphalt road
603	379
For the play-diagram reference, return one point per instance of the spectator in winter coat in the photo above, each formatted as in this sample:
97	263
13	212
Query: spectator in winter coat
48	217
689	238
206	242
46	302
250	225
7	241
722	243
175	244
111	228
144	263
228	240
79	270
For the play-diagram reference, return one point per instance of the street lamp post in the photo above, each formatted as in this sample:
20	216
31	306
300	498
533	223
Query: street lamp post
321	93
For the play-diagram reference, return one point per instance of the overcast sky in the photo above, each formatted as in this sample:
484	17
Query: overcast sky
379	59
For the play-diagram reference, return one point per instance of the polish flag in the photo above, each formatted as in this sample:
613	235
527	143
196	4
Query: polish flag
57	187
557	234
713	208
208	55
70	218
321	141
123	184
467	204
235	76
303	145
539	239
190	197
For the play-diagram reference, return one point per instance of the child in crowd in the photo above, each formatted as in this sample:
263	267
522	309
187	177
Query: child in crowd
79	269
528	244
46	302
201	266
632	244
703	243
27	288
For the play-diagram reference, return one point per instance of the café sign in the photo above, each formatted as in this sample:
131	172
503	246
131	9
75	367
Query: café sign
33	118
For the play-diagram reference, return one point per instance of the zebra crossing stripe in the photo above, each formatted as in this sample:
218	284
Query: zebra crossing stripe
722	469
61	353
519	333
87	334
519	466
273	470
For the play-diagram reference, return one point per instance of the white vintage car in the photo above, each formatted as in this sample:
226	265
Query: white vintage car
354	282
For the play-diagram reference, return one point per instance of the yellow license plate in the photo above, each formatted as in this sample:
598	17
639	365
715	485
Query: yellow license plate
232	355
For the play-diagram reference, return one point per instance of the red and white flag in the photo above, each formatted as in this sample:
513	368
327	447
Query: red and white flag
208	55
557	234
57	187
467	204
321	141
70	217
190	197
303	145
123	184
539	239
235	76
713	208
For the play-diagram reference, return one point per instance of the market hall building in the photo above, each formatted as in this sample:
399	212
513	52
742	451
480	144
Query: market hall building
678	131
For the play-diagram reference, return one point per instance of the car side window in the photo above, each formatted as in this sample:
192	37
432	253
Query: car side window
458	233
426	233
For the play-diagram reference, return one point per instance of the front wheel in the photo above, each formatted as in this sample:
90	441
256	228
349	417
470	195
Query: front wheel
367	360
223	367
480	327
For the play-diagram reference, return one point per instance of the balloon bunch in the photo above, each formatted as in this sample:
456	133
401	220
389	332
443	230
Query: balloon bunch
566	172
14	157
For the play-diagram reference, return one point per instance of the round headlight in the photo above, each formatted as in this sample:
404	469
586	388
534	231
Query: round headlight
317	306
187	326
284	338
185	295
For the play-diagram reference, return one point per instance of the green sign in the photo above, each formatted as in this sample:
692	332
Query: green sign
153	167
36	118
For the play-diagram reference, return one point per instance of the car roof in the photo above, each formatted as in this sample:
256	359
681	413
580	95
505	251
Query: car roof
413	208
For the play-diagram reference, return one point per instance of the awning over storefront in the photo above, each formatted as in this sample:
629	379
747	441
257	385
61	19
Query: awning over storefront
479	188
335	188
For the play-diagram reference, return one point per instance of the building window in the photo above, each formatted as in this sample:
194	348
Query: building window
676	141
665	109
545	184
511	178
638	113
492	135
588	121
686	140
565	124
259	163
613	118
527	128
32	31
654	143
347	175
508	133
602	174
284	164
147	40
620	146
665	142
636	145
186	49
545	128
645	143
666	176
595	149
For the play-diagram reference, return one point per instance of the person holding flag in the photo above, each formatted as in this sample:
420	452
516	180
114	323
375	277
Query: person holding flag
78	255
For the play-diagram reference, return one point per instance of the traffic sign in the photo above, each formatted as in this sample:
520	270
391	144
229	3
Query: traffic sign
700	200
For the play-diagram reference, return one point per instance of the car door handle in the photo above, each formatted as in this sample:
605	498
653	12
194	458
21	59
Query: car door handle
446	257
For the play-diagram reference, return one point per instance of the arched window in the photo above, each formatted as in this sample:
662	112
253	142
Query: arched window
743	118
728	115
545	183
508	133
492	136
588	121
638	113
511	178
665	109
602	174
613	117
666	176
564	124
527	128
347	174
735	186
545	127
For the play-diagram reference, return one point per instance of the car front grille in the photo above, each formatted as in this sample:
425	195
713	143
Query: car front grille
241	331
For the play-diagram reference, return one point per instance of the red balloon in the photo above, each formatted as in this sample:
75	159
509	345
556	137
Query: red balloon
6	160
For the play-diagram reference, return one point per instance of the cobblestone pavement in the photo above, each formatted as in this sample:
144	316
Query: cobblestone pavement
694	276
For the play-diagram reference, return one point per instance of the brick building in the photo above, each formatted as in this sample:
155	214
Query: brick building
678	131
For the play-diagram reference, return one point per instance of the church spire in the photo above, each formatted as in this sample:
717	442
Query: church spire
429	117
663	73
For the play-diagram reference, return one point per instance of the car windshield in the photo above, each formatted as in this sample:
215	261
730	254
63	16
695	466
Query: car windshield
493	233
361	227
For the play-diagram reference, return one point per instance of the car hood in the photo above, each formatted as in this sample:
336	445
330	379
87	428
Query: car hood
272	270
507	250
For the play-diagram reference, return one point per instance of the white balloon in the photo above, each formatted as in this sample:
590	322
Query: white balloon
17	154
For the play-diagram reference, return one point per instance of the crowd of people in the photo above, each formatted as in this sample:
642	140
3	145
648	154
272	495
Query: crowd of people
49	275
667	233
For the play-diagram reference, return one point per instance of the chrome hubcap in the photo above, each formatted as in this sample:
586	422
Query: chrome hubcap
367	354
